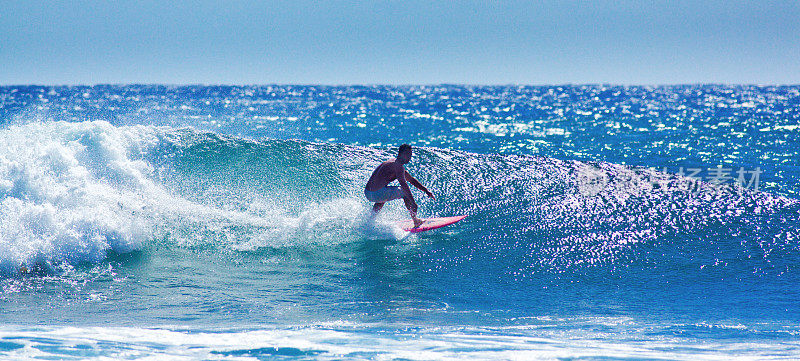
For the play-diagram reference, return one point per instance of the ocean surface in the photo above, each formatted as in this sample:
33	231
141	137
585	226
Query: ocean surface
228	222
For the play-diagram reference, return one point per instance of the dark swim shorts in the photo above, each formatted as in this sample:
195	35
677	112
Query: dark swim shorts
385	194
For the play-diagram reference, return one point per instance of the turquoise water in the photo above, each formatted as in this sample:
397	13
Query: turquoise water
229	223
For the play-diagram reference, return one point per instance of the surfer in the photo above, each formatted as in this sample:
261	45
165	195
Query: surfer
379	191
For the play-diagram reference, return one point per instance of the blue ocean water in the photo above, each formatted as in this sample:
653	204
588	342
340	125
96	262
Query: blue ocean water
228	222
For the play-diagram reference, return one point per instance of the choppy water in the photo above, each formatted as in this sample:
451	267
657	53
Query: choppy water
229	222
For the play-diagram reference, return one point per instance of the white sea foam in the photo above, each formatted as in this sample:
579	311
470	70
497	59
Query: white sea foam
72	192
347	340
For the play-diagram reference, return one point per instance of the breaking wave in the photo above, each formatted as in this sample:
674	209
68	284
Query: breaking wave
73	192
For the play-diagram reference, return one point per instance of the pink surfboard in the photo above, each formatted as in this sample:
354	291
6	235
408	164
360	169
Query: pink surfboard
430	223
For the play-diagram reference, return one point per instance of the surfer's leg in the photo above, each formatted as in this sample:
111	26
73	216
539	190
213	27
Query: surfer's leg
410	204
377	207
412	208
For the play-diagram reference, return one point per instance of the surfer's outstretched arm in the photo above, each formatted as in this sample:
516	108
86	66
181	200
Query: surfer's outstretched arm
407	196
417	184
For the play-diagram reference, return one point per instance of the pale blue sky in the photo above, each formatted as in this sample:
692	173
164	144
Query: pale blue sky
399	42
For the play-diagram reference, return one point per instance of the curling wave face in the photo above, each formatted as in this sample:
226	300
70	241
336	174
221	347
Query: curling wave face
72	192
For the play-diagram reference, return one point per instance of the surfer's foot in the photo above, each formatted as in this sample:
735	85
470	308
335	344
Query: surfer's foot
418	222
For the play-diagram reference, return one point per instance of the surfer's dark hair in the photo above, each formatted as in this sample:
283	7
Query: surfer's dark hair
403	148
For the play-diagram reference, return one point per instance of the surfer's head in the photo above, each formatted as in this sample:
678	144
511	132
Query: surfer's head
404	154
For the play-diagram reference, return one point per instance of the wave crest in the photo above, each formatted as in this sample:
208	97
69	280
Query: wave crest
72	192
